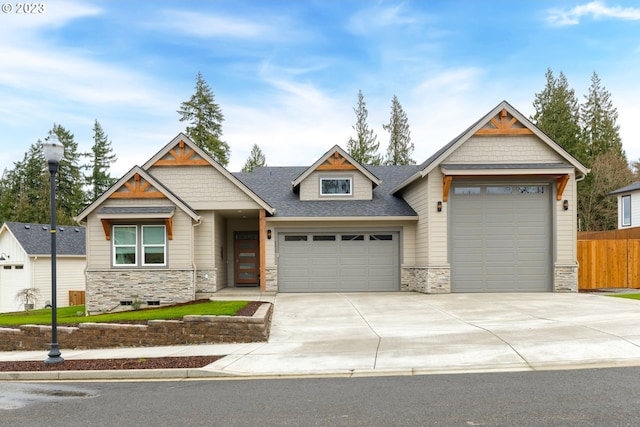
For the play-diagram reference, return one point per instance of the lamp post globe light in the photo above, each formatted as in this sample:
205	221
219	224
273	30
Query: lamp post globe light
53	151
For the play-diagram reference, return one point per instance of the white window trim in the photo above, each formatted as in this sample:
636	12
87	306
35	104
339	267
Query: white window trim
327	178
143	246
622	211
138	247
114	245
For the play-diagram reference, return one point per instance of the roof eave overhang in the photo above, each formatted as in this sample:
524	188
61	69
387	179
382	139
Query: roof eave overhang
342	218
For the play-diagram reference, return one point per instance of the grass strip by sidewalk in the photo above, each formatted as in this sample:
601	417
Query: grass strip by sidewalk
629	296
70	314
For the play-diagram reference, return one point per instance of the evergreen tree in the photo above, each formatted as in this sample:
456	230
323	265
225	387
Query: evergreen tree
101	158
557	113
204	118
363	149
256	159
70	195
25	189
599	119
596	209
400	146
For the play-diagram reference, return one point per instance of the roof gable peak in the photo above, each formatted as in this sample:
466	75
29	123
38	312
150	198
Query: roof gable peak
336	159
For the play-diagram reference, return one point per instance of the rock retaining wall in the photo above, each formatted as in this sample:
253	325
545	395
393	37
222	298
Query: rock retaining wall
189	330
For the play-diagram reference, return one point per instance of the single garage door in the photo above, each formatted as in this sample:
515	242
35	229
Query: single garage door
500	238
339	262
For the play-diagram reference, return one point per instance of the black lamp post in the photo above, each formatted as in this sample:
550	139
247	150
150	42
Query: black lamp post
53	151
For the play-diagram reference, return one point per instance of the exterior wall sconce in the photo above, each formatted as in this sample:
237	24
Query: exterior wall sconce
565	205
269	234
4	257
439	206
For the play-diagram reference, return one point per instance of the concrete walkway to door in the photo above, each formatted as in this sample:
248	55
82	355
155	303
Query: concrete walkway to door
412	333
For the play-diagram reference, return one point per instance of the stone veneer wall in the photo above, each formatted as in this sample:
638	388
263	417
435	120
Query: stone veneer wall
272	279
106	288
430	280
190	330
206	282
565	278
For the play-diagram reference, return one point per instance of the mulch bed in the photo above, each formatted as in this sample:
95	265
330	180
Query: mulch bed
110	364
122	364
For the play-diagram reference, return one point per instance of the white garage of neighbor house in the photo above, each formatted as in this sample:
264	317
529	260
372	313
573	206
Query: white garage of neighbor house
494	210
25	262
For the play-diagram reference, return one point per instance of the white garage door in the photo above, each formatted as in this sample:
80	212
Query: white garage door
500	238
339	262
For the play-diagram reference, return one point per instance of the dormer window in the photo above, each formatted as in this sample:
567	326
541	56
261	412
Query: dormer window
335	187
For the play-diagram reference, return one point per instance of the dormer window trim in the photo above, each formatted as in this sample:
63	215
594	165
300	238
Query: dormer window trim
348	180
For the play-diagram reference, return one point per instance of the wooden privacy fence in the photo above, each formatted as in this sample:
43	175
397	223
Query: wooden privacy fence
609	259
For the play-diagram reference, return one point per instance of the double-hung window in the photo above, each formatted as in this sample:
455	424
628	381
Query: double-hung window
139	245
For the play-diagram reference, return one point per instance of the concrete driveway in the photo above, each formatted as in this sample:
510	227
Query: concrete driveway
410	333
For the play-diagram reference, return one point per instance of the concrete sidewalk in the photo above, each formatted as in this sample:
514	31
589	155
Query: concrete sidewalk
404	334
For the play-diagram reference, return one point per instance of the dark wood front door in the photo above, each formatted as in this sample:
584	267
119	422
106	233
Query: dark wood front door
247	258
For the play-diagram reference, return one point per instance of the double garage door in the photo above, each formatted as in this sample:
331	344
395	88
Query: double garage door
500	238
339	262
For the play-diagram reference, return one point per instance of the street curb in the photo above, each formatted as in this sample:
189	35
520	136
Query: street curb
204	374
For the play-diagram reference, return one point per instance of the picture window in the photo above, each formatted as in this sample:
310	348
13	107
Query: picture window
335	186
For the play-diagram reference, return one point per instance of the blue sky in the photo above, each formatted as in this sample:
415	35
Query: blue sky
286	73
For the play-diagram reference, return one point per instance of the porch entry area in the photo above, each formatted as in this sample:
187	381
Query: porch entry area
246	258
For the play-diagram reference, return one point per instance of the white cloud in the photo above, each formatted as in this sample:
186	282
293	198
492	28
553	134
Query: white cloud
378	17
595	9
203	25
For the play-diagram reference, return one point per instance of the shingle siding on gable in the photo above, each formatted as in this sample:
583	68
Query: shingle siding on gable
200	186
361	186
498	149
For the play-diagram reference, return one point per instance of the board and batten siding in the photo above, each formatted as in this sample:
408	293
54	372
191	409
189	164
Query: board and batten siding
70	277
362	188
203	187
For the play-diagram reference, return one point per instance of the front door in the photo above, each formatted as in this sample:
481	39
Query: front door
247	258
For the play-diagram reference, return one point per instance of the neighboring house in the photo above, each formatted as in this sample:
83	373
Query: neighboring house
492	211
628	205
25	262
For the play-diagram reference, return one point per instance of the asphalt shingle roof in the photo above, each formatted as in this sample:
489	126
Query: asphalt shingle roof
35	239
631	187
273	185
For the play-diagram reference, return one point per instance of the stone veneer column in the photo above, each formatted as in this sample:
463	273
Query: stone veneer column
272	279
429	280
565	278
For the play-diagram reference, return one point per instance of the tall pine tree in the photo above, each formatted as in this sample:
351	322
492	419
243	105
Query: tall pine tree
400	146
100	160
70	195
25	189
557	113
256	159
204	118
363	149
599	120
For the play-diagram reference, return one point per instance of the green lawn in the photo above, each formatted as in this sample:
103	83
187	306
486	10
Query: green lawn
630	296
70	314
